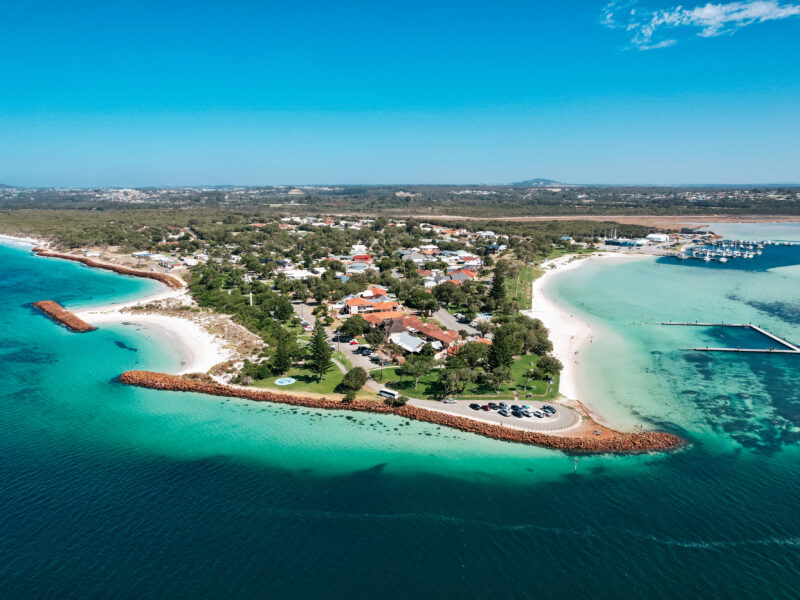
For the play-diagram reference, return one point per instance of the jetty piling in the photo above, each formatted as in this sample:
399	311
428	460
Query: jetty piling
787	347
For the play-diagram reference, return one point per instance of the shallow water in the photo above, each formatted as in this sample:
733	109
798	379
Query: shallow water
116	491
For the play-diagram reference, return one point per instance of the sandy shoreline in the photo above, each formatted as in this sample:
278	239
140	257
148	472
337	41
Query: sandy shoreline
19	241
199	349
567	332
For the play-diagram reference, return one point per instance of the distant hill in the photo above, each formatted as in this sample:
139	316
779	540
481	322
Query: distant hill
537	183
3	186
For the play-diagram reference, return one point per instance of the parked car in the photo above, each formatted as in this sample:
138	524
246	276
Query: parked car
526	413
449	400
503	405
486	407
493	406
538	414
514	407
353	342
502	412
475	406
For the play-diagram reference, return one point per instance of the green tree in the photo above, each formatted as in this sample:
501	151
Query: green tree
282	359
283	309
355	378
454	381
374	337
529	374
498	290
549	366
416	367
501	352
496	377
423	301
354	326
320	354
471	354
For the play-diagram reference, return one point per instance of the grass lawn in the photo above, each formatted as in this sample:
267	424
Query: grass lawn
519	287
306	381
426	386
342	358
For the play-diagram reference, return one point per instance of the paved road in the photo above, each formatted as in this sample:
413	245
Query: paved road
357	360
565	418
449	321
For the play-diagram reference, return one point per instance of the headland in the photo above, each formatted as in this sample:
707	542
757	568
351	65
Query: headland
168	280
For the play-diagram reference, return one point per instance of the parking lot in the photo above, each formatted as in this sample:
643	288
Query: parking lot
564	419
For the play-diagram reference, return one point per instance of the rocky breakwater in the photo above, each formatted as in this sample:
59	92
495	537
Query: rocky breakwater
61	315
168	280
620	443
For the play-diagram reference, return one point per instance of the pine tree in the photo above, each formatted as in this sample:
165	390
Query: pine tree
283	309
320	360
498	289
501	352
282	359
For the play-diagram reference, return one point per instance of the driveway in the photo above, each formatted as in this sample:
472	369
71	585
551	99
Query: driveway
449	321
357	360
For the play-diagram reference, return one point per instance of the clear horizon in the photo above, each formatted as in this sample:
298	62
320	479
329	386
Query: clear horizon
612	93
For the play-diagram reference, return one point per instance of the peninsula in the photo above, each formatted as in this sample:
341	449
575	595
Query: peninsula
435	322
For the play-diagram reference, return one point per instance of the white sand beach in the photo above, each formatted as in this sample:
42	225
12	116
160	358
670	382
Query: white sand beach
20	241
200	350
567	332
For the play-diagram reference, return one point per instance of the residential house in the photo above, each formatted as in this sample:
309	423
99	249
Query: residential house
407	342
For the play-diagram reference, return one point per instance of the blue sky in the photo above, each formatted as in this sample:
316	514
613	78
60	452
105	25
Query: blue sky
180	93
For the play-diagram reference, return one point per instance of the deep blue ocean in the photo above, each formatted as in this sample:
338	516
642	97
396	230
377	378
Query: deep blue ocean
111	491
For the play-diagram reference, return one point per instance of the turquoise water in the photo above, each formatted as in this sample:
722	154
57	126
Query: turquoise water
116	491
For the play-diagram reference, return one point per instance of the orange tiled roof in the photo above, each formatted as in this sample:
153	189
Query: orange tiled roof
357	302
378	317
385	305
431	330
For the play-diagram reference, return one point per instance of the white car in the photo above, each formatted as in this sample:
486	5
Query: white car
449	400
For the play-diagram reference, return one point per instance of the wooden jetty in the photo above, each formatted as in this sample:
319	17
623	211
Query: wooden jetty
786	347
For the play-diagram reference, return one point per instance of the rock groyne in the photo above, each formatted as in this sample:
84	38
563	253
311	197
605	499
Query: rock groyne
61	315
168	280
620	443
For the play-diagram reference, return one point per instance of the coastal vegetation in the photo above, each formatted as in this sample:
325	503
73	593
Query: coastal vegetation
270	274
429	201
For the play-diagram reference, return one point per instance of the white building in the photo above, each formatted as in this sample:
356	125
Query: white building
658	238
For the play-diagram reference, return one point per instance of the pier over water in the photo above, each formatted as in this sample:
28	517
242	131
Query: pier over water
785	347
